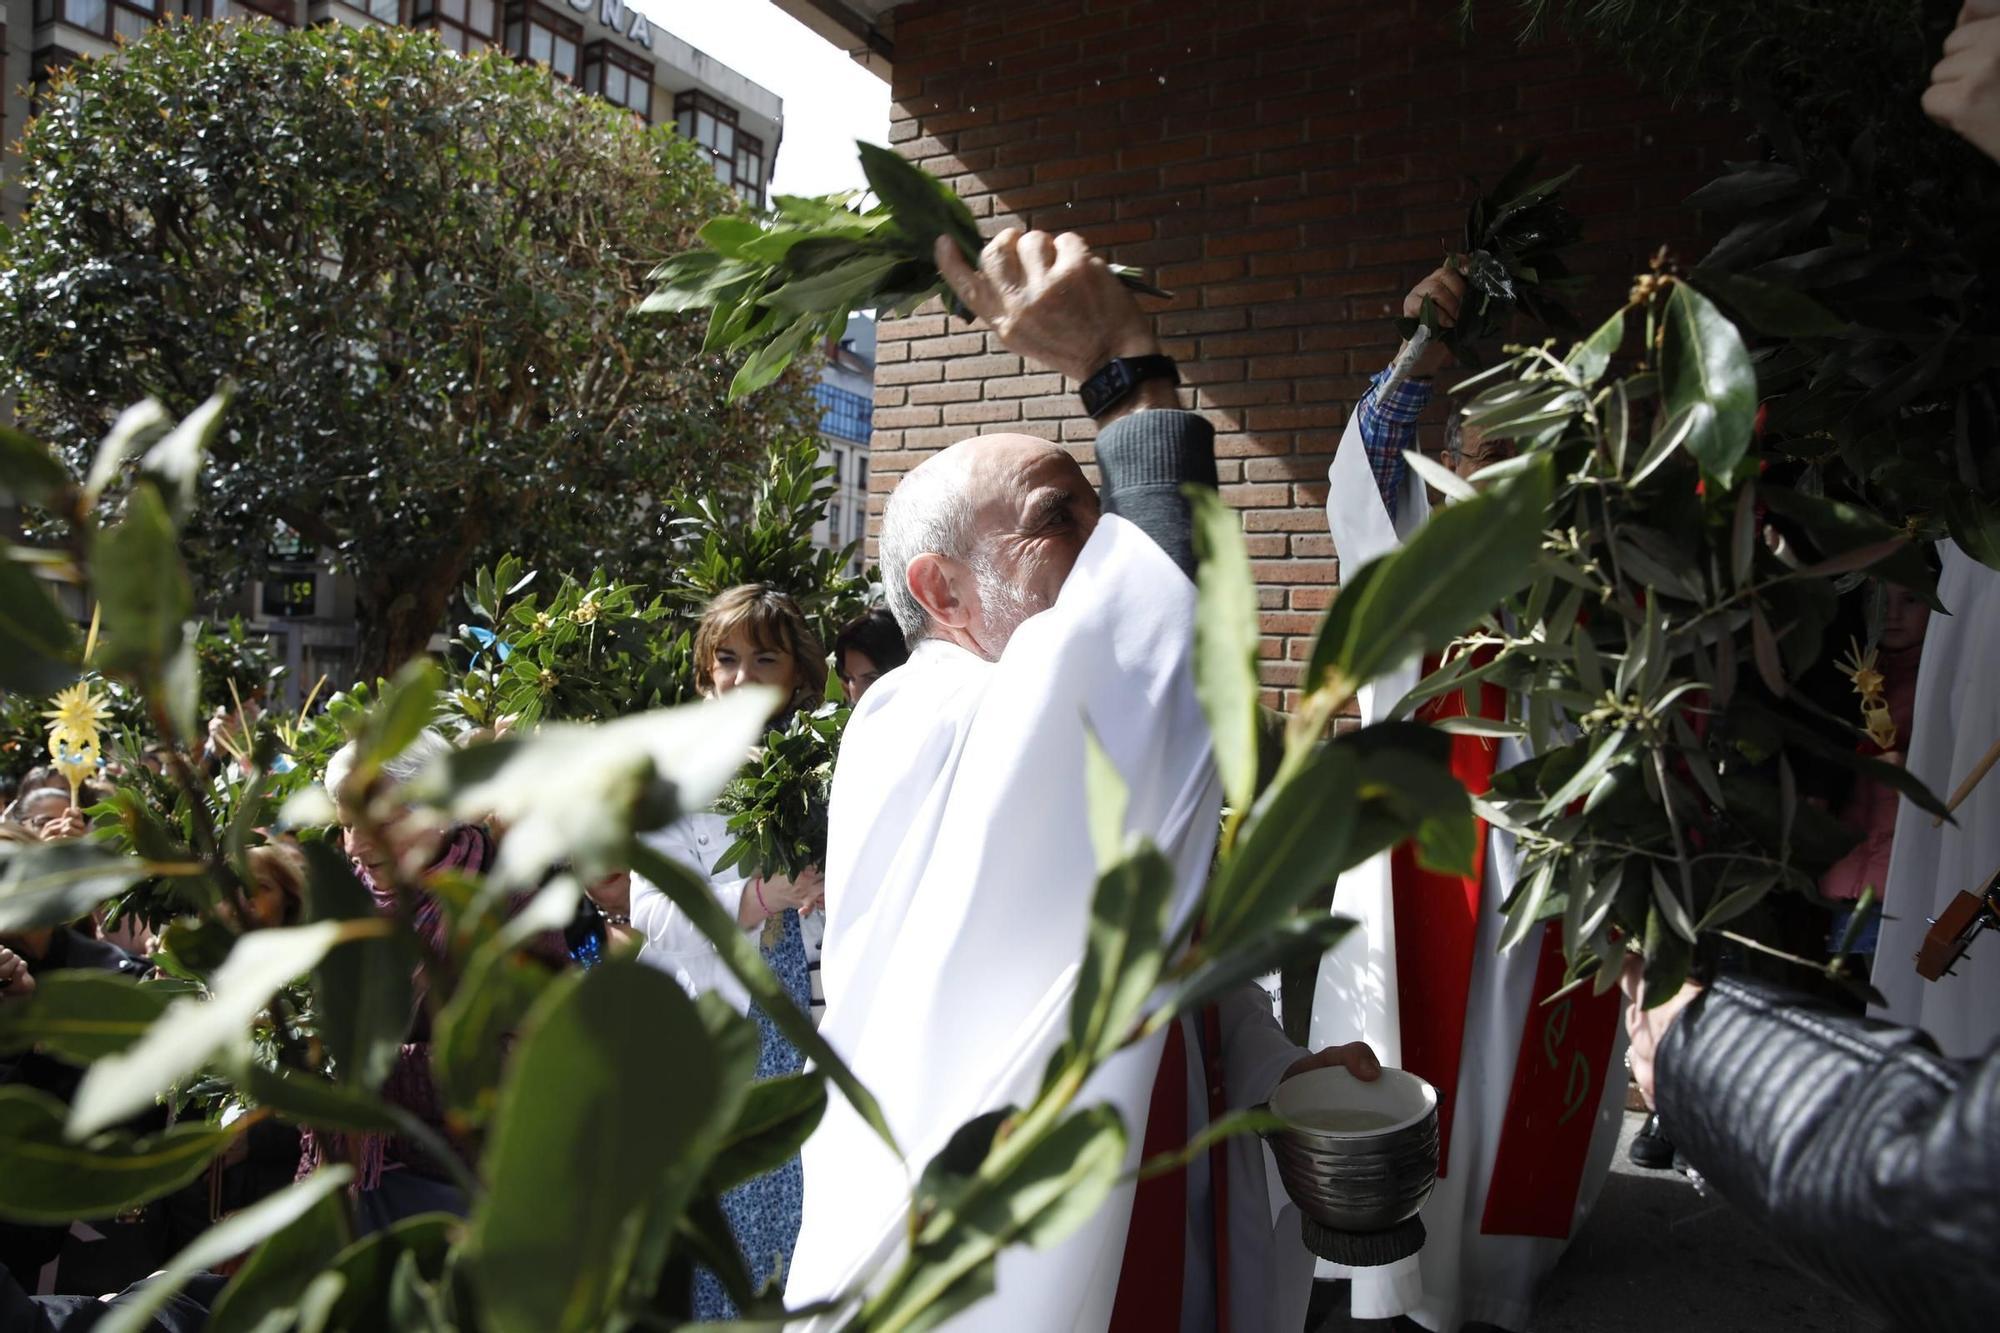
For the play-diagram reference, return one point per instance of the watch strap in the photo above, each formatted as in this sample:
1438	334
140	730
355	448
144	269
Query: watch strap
1114	382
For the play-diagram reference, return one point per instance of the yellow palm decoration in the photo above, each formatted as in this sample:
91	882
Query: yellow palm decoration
1869	684
78	711
76	741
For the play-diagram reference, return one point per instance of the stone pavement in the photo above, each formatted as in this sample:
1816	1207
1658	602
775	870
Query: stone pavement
1656	1257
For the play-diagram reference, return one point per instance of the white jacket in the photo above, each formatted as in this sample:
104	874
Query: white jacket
673	944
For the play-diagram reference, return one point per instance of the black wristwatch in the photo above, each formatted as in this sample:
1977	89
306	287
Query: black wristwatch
1114	383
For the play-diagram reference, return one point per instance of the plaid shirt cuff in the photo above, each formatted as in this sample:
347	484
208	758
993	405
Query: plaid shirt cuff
1388	427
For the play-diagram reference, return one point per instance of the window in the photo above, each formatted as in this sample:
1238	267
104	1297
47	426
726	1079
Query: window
538	34
845	415
107	18
739	157
278	11
462	25
861	472
131	18
833	522
382	11
619	77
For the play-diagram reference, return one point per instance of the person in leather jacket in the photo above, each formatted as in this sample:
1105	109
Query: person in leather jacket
1871	1157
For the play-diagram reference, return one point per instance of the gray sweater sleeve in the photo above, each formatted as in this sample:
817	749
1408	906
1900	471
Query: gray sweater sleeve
1144	460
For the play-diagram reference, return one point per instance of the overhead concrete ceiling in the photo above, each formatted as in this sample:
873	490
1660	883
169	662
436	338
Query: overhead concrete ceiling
863	28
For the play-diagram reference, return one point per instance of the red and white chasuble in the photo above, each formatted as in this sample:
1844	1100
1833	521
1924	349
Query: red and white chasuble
1530	1095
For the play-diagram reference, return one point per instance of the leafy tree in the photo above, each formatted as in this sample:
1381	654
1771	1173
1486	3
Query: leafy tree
419	272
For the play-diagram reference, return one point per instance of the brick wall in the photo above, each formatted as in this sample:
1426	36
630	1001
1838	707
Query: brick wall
1289	169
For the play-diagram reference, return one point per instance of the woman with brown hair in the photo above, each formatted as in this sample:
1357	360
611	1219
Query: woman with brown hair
748	635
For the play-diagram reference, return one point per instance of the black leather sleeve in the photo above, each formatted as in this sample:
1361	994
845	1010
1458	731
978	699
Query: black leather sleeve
1144	459
1875	1160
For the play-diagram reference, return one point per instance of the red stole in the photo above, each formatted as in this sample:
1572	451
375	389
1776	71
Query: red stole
1437	924
1149	1282
1151	1279
1565	1050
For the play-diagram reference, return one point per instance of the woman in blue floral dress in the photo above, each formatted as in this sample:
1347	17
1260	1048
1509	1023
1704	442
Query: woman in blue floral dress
748	635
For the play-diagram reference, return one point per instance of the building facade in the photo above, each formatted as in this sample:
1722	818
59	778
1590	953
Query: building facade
1287	170
846	394
602	46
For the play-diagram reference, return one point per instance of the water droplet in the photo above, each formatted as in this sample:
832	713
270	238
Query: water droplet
1163	80
1098	82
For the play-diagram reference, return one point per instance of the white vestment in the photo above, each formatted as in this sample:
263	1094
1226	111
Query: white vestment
959	882
1955	721
1461	1275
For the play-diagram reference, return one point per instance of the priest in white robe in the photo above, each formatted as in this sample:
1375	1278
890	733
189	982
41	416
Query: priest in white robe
1531	1097
1956	724
960	870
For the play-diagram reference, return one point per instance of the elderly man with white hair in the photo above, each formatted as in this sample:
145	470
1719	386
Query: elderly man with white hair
959	869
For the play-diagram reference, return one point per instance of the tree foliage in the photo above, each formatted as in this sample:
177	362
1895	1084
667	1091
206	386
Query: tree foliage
1652	664
420	273
1860	248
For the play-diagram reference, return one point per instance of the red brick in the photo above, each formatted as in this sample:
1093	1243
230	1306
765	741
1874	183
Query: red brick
1025	386
1247	242
1297	416
955	391
1203	274
1266	292
1312	547
982	413
906	416
916	326
1289	622
1246	344
982	367
1285	520
912	372
1256	497
1243	395
955	344
1290	467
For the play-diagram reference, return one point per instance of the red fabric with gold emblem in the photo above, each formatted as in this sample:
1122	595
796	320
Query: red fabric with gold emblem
1559	1079
1437	924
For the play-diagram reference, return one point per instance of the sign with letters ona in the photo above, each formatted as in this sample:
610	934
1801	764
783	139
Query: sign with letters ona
630	24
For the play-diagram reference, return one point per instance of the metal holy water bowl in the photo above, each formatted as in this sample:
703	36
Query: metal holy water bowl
1355	1156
